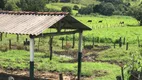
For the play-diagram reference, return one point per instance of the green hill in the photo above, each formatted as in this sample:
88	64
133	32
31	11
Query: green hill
58	6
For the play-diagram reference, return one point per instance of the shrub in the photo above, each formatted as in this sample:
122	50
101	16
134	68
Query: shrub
113	1
66	9
75	7
104	8
2	4
86	10
11	6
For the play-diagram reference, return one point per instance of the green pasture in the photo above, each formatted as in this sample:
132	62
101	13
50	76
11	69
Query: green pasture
111	29
58	6
86	2
19	60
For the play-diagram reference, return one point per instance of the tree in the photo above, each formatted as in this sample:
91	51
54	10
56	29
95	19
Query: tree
11	5
104	8
136	12
75	7
113	1
2	4
32	5
76	1
86	10
66	9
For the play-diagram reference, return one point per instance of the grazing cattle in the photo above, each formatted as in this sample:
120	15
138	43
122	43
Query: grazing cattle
89	20
100	21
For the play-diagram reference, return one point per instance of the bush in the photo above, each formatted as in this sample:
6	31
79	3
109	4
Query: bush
75	1
75	7
2	4
32	5
113	1
11	5
66	9
104	9
136	12
86	10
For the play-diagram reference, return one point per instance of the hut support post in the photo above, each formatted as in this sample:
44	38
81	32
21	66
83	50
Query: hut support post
50	44
79	55
31	57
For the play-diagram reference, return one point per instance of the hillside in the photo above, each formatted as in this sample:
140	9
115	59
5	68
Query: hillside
58	6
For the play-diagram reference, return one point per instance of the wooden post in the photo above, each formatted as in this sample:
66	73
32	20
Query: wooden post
9	43
73	44
120	42
60	76
127	46
124	41
93	41
122	73
31	57
17	37
0	36
62	42
79	55
50	48
114	44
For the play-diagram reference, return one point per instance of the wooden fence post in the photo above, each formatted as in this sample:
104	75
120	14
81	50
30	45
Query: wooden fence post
127	46
60	76
9	43
62	42
114	44
122	73
124	41
120	42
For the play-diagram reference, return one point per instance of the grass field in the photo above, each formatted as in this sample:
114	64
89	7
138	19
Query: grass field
111	28
58	6
19	59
